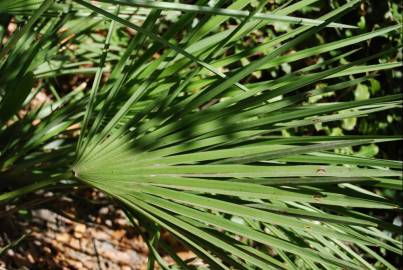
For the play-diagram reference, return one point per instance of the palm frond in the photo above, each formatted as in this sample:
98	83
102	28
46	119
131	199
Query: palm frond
201	157
181	132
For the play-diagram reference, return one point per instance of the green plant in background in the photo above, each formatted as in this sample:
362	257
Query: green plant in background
186	127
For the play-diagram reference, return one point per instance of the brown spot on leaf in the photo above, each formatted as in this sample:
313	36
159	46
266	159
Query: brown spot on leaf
321	171
317	197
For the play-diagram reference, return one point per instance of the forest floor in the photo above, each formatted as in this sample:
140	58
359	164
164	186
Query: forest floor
67	237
